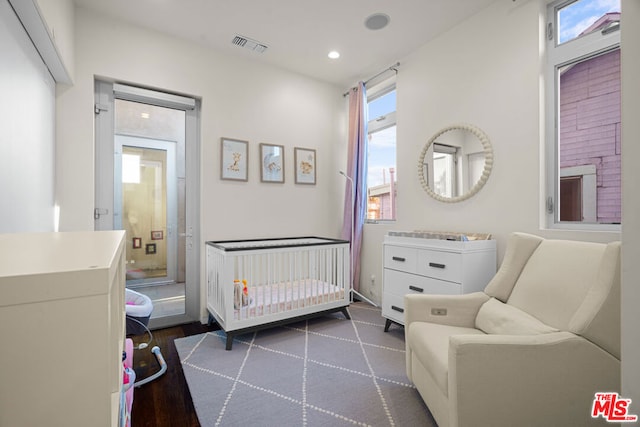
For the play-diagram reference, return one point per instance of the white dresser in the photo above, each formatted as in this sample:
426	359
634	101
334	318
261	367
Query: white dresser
432	266
62	328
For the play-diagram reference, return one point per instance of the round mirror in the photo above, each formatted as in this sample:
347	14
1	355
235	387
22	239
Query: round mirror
455	163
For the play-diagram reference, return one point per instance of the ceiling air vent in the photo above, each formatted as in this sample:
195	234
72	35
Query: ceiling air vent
248	43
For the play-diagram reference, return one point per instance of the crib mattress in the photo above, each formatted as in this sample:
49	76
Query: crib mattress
285	296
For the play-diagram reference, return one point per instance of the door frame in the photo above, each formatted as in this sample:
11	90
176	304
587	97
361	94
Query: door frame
105	94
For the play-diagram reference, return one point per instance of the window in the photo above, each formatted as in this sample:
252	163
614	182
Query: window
381	157
584	118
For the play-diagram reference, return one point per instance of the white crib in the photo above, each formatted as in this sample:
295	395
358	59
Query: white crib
277	281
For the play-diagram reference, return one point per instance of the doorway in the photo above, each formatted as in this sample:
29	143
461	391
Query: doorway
146	181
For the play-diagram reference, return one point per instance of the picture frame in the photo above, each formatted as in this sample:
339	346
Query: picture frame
150	249
305	165
157	235
271	163
137	242
233	159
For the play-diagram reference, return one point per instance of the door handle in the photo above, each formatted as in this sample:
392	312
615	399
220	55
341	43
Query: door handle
97	212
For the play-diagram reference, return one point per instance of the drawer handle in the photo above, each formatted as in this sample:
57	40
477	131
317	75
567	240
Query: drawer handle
436	265
397	258
415	288
400	309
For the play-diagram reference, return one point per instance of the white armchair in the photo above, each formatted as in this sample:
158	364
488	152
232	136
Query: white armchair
532	349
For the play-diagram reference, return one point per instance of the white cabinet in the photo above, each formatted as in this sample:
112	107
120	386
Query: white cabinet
62	328
432	266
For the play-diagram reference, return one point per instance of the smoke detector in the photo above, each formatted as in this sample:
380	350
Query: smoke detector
248	43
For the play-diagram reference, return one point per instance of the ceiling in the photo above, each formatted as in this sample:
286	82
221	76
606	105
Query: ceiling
300	33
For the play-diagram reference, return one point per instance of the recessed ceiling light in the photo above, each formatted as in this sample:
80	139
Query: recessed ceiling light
334	54
377	21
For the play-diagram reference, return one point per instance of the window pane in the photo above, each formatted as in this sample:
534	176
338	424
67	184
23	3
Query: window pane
586	16
383	105
589	136
381	177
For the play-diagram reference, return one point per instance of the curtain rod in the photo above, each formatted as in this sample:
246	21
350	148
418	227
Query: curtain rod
393	67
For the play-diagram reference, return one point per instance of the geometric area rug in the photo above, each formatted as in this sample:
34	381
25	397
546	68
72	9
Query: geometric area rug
325	371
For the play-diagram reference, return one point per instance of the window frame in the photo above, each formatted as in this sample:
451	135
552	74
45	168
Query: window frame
557	56
381	123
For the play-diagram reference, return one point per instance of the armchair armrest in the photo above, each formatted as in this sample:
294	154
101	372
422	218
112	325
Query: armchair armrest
547	379
453	310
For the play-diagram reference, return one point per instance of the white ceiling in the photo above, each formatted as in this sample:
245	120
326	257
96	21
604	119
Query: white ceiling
300	33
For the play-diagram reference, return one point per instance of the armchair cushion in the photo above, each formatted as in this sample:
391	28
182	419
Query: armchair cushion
520	246
434	353
496	317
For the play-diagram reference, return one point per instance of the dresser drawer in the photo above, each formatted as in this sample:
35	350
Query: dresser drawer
440	265
401	258
393	307
398	283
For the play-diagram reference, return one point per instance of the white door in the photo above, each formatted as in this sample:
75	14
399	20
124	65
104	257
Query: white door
147	182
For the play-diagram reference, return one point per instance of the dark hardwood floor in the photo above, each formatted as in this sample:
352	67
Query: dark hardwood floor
166	401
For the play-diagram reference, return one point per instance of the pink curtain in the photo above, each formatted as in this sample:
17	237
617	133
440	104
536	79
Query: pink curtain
355	204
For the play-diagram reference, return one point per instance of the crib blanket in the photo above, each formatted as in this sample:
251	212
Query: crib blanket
285	296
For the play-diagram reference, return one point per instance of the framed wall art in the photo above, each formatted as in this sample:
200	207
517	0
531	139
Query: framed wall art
137	242
157	235
150	249
233	159
271	163
305	165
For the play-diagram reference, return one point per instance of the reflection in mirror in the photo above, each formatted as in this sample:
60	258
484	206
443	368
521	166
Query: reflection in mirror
445	161
455	163
454	170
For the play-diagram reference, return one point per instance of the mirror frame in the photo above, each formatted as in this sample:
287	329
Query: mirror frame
488	163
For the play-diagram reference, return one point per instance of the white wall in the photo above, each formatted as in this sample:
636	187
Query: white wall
27	139
487	72
630	62
241	99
